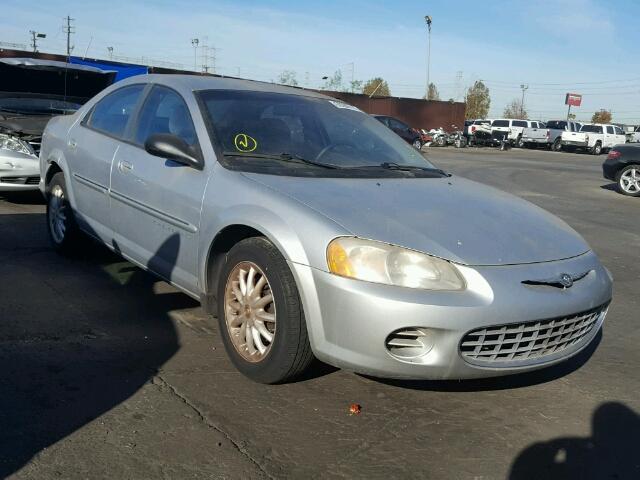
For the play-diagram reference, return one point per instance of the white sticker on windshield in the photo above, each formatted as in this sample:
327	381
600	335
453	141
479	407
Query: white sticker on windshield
344	105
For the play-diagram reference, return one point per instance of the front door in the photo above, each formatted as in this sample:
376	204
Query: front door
156	202
92	145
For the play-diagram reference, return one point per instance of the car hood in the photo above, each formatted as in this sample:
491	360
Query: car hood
451	217
24	124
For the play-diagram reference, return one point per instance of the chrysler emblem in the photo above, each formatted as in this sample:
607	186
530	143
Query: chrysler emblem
566	280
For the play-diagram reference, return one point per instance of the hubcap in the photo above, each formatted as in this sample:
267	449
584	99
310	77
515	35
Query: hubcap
57	214
630	181
417	144
250	311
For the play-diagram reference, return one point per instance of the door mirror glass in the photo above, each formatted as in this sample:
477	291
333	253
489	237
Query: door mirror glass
172	147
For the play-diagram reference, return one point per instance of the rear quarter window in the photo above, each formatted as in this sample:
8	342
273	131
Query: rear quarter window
519	123
500	123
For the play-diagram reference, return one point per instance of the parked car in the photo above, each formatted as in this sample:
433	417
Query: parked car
411	135
634	136
593	137
31	93
310	229
623	167
508	129
549	135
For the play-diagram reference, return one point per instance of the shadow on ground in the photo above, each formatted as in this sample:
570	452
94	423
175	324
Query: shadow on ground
612	451
77	336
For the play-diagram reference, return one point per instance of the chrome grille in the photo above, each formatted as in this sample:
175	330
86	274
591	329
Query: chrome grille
515	342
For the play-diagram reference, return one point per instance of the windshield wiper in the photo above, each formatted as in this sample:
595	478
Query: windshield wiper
285	157
405	168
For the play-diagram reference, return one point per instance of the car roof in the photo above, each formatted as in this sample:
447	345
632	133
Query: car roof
194	83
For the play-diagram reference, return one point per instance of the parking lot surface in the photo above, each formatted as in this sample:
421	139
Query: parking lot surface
108	372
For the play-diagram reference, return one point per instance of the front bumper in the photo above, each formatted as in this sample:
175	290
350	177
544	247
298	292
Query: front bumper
610	169
18	171
349	321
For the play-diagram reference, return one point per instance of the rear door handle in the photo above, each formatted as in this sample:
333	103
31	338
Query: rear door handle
124	167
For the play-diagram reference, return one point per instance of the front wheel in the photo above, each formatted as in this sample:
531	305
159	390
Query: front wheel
556	146
260	314
63	230
417	144
629	180
596	149
520	142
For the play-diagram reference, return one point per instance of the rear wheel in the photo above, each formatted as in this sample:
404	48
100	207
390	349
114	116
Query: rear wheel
556	146
260	314
629	180
519	142
417	144
63	230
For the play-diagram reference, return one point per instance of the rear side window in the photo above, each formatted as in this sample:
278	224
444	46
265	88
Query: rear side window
591	128
519	123
619	131
111	114
165	111
397	124
500	123
553	124
610	129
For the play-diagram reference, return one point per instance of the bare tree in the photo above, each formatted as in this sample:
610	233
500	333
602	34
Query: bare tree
515	110
477	101
288	77
602	116
433	93
334	83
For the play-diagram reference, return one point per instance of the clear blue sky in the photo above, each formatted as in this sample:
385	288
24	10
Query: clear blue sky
582	46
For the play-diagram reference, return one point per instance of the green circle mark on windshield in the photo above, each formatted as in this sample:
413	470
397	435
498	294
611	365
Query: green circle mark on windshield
245	143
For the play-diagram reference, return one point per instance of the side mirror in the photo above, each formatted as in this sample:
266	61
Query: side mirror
174	148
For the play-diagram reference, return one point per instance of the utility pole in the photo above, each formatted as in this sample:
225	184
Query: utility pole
110	50
524	89
69	29
353	68
428	20
34	39
206	57
195	42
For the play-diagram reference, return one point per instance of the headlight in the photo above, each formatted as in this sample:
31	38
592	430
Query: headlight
383	263
8	142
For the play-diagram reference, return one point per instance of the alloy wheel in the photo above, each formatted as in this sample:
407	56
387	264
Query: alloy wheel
250	311
630	181
57	214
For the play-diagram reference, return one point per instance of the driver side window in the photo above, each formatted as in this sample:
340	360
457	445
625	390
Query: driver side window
165	111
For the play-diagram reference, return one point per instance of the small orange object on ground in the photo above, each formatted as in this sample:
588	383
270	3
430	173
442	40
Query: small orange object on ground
355	409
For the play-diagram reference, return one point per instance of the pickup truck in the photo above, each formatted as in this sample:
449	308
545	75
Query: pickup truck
634	136
594	138
549	136
509	129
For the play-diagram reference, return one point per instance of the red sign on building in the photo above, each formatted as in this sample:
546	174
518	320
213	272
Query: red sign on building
573	99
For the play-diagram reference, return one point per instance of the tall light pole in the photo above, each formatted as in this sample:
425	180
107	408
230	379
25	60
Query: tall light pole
195	42
524	89
428	20
34	39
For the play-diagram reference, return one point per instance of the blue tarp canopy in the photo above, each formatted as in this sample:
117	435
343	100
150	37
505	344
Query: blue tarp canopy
122	71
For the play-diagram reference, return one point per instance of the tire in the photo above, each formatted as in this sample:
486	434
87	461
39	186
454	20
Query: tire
417	144
288	354
519	142
556	146
62	228
596	149
623	178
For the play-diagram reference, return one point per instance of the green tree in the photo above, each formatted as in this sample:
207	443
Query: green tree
478	101
376	87
602	116
288	77
515	110
432	92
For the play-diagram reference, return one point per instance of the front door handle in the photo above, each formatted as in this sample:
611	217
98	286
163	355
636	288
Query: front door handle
72	144
124	167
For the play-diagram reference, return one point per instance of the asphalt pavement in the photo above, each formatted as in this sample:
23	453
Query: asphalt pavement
107	372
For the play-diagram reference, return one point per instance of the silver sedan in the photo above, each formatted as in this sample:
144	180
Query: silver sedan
311	230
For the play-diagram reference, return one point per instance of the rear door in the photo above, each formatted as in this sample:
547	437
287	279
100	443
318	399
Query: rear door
156	202
92	145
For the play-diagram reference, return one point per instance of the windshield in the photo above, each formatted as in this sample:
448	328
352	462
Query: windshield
591	128
251	126
36	106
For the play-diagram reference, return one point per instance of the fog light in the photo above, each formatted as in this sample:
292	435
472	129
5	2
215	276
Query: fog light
409	343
